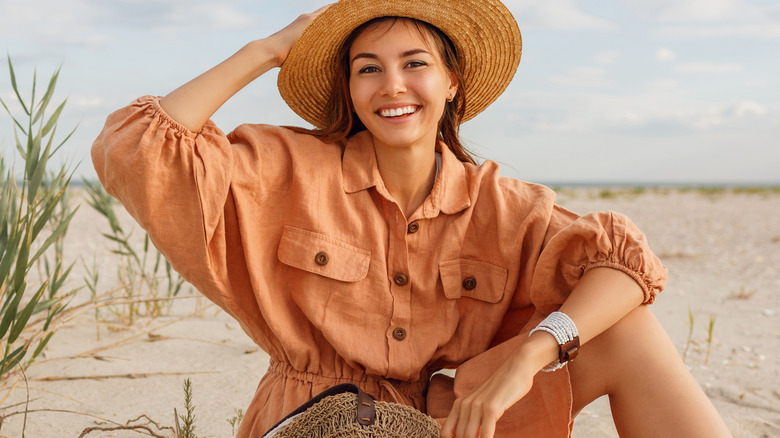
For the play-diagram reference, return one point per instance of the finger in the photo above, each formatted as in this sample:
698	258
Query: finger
474	421
465	418
488	428
448	429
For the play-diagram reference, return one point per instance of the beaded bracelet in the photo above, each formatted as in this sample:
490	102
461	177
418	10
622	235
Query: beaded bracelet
563	329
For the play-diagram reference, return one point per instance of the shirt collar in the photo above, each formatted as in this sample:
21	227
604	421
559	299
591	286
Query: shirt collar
450	193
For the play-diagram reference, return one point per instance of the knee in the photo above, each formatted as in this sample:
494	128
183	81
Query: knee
635	345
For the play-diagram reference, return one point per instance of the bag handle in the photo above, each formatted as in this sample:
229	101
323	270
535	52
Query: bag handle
366	411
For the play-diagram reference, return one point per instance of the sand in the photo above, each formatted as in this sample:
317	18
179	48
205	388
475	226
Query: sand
722	250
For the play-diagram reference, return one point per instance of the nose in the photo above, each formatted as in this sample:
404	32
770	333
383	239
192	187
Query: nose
393	84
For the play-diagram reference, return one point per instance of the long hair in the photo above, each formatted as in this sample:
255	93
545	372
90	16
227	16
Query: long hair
342	121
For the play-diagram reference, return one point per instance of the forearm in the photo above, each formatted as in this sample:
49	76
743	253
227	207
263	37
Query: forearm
600	299
195	102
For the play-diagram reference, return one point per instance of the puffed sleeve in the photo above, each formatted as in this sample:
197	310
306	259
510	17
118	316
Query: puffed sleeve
574	245
174	182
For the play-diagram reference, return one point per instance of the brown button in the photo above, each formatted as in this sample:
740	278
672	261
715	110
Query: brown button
470	283
401	279
321	258
399	334
413	227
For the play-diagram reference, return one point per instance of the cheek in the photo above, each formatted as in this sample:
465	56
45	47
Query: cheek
358	95
434	87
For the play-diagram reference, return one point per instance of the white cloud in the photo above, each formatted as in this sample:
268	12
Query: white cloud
87	102
706	19
687	10
214	16
663	55
660	110
707	68
662	84
763	31
563	15
772	12
607	58
96	22
749	108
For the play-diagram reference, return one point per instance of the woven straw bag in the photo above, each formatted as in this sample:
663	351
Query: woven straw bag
344	411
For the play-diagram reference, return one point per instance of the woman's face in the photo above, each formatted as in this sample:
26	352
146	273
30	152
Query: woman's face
399	84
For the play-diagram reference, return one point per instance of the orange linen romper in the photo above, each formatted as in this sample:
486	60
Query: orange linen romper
300	241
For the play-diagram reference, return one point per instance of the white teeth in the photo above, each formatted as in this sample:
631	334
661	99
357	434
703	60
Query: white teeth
396	112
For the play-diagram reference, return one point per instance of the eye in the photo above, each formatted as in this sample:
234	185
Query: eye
415	64
368	69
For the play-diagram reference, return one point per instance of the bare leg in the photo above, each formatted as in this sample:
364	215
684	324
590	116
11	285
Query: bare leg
650	390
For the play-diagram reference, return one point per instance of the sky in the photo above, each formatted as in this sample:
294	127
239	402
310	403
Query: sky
619	91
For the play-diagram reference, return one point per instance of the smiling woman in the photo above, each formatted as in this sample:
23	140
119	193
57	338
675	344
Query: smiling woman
374	251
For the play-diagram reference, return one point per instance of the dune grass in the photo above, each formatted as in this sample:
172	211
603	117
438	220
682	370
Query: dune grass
34	217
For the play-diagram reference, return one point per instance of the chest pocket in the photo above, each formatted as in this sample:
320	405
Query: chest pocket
473	279
322	255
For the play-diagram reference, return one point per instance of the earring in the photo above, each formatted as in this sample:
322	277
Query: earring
450	97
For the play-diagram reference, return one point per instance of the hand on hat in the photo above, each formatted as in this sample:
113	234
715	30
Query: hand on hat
286	38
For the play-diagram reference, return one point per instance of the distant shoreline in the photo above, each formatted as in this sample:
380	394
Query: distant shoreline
735	186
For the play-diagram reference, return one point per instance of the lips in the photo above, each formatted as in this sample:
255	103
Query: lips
398	112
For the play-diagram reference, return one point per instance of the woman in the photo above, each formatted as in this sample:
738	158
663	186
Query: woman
374	251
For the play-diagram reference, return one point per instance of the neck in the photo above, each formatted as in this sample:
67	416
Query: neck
408	174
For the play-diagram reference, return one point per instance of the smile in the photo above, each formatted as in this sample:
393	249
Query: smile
399	112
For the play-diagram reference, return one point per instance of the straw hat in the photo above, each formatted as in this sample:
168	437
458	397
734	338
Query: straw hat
485	35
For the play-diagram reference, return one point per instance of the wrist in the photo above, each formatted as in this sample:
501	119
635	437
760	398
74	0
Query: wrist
264	55
537	351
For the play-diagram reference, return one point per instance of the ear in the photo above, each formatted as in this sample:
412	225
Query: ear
453	88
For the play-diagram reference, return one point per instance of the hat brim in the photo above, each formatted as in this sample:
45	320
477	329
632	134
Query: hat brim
485	35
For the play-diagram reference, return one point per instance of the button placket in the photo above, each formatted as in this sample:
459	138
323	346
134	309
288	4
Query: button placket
400	282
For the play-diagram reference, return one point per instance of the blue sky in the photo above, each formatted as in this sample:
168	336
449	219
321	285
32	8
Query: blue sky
660	91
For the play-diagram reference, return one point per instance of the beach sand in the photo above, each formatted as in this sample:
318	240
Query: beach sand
722	250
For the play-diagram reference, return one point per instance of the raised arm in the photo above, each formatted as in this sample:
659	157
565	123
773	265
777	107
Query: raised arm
195	102
172	169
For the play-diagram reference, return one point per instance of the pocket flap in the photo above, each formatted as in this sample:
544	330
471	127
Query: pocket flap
474	279
322	255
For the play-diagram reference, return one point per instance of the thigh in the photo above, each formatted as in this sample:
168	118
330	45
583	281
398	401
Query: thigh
651	391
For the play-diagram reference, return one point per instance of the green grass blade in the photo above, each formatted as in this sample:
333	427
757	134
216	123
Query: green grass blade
51	205
40	170
54	151
12	359
22	258
47	96
41	345
9	312
10	254
33	152
26	313
53	119
56	234
11	114
15	88
34	87
22	150
60	279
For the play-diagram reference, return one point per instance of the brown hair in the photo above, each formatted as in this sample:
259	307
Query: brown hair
344	123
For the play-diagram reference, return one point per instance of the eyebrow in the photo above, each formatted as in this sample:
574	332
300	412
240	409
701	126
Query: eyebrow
411	52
